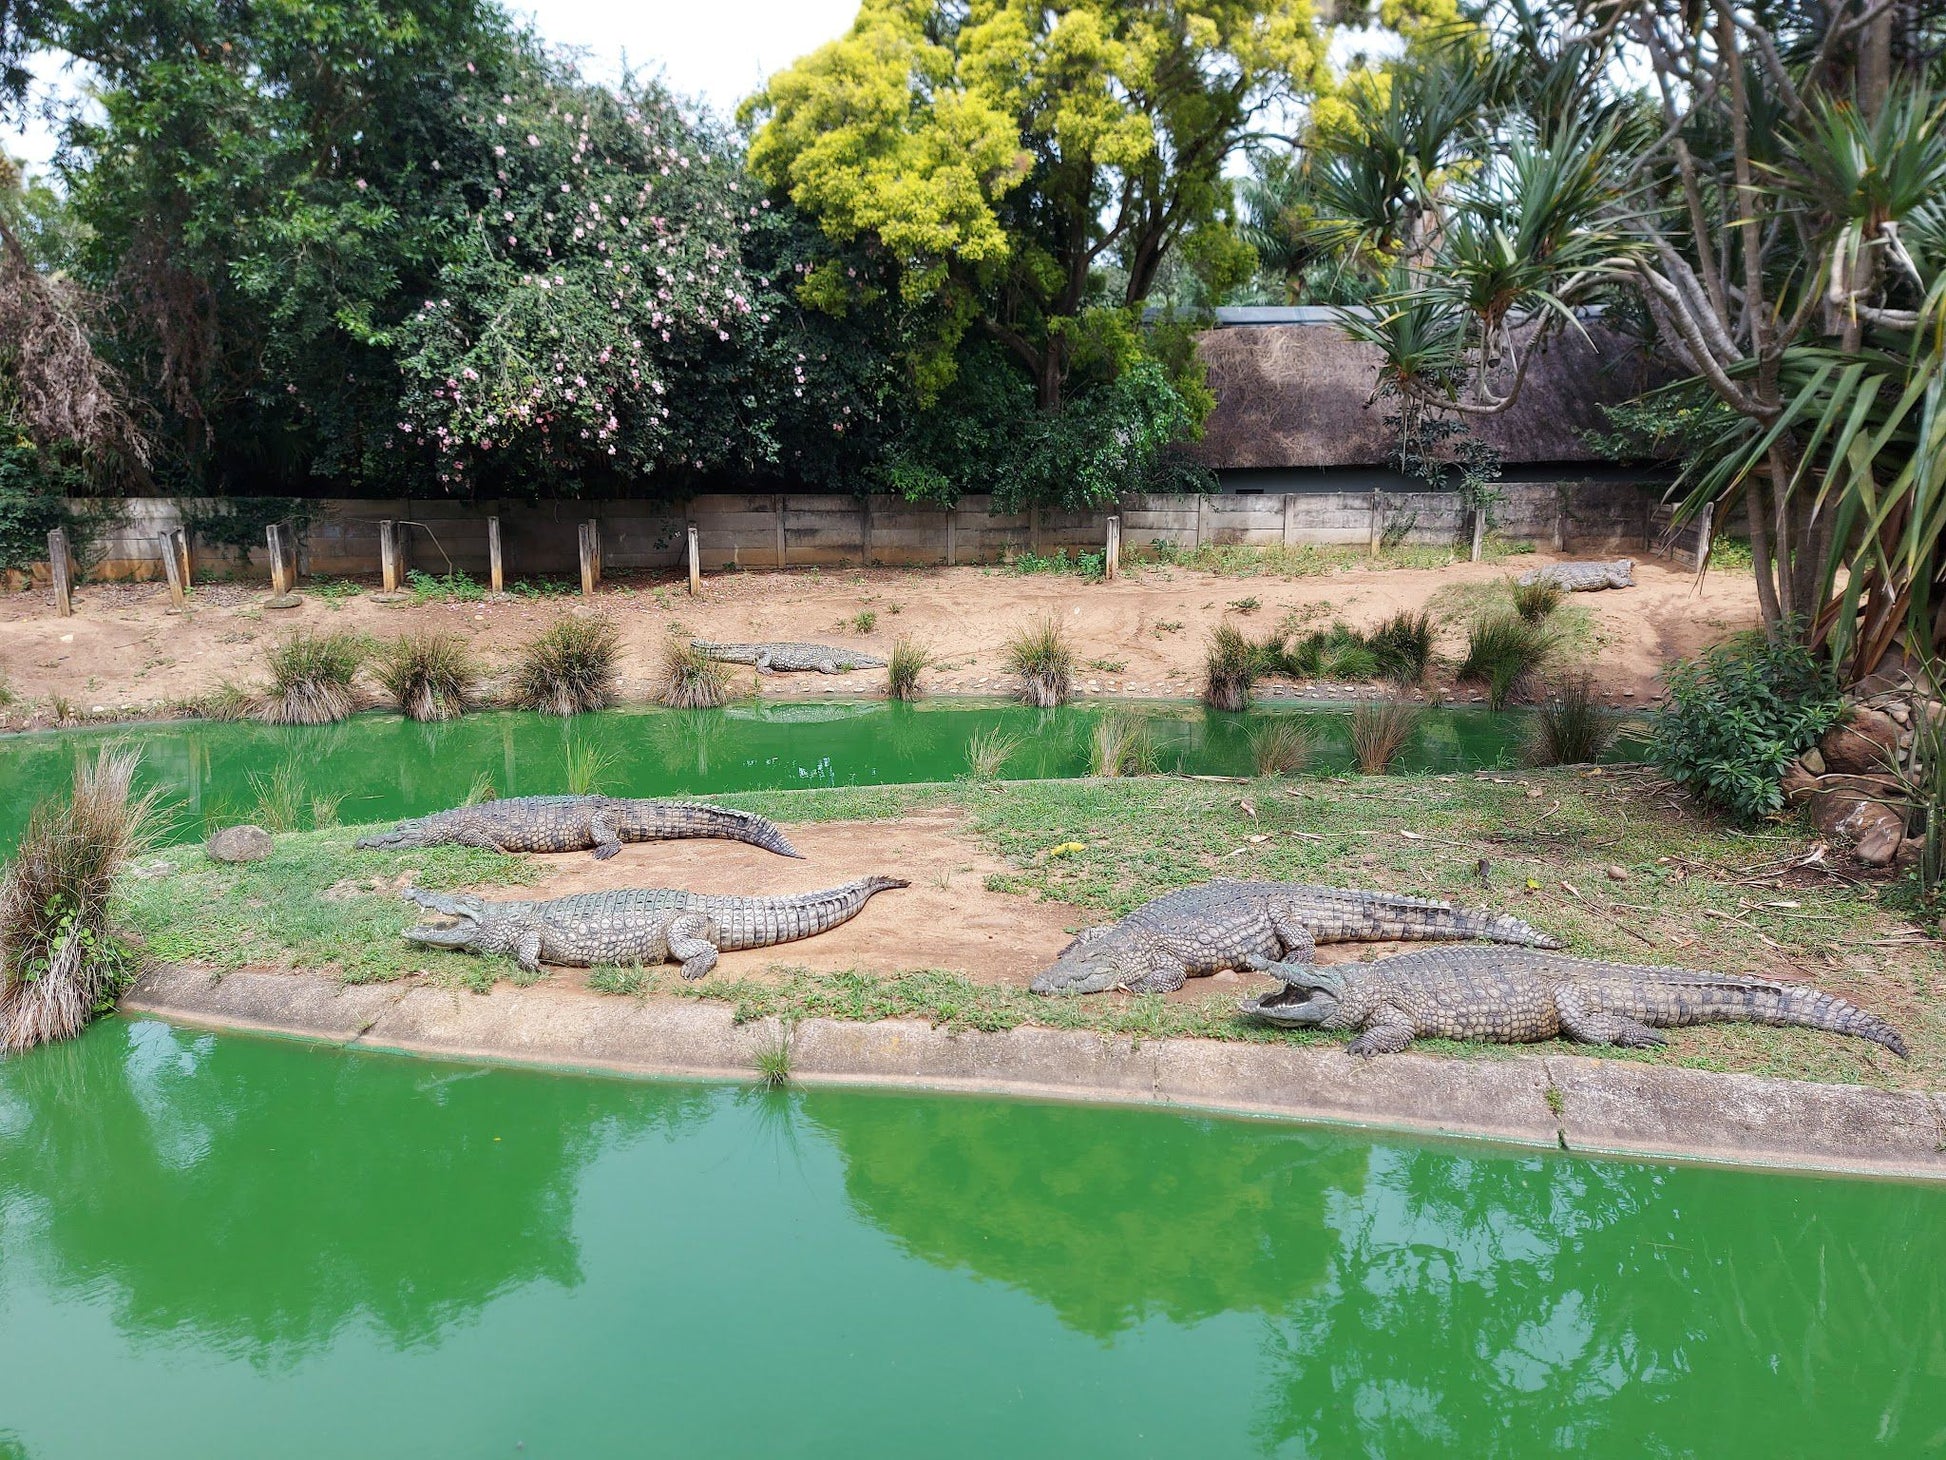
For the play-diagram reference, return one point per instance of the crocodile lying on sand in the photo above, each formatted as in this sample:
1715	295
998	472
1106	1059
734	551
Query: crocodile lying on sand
636	924
1223	924
1517	996
1584	577
776	658
578	823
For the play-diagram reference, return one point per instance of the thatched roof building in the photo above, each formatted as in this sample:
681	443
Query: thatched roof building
1293	392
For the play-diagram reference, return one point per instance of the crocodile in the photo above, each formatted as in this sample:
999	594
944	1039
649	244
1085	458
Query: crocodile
776	658
636	924
1518	996
578	823
1222	924
1584	577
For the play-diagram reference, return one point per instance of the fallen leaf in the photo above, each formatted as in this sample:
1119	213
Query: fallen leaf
1412	836
1249	808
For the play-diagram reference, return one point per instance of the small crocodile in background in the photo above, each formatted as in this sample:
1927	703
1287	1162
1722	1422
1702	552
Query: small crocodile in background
638	924
578	823
1224	924
1514	996
1584	577
777	658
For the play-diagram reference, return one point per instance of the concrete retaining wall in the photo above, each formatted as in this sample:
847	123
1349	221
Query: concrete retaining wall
786	530
1554	1100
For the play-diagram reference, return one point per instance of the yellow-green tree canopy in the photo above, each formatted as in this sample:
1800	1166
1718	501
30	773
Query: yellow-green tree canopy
1024	166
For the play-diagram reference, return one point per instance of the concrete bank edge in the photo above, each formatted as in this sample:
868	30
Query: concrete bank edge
1597	1106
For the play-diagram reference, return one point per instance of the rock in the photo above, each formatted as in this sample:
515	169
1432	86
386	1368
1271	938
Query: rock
240	844
1618	874
1800	781
1864	744
1879	842
1813	761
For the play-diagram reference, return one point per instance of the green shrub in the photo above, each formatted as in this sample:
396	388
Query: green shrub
1402	646
428	675
1282	747
1039	653
453	587
311	677
1570	727
1122	746
688	679
1535	601
1503	652
1233	664
1738	715
569	668
909	660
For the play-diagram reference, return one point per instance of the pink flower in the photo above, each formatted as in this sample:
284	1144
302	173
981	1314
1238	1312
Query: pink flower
532	140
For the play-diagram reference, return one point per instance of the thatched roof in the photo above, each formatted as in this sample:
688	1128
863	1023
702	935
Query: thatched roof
1294	395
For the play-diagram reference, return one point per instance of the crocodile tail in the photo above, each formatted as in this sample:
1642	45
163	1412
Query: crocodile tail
1763	1002
1502	928
664	820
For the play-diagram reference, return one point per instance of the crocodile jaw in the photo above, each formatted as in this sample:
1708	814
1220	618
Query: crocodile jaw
1310	1007
452	935
1090	968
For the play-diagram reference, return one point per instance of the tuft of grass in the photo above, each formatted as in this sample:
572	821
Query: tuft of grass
453	587
1039	653
908	661
1232	665
569	668
428	675
587	765
1122	746
1380	729
481	790
311	678
1402	646
1504	652
61	962
1570	727
226	702
279	798
774	1062
6	691
1338	652
864	621
988	752
1535	601
688	679
1282	747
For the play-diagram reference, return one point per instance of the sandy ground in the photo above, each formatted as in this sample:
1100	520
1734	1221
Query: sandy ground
1144	635
947	919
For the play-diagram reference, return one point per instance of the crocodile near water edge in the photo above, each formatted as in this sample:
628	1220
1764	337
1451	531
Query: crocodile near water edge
776	658
646	925
1223	924
1518	996
578	823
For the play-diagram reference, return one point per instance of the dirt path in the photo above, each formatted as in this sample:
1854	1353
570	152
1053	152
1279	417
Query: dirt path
1144	635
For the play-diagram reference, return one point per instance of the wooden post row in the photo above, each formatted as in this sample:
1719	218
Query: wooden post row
496	577
61	568
1112	554
695	562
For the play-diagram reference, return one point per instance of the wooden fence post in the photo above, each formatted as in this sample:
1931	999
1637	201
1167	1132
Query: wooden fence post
496	573
783	547
281	576
178	538
1479	529
61	569
1203	510
1290	519
1703	535
1034	529
585	538
1378	519
952	536
388	555
1648	522
1111	567
695	562
865	532
172	566
1561	517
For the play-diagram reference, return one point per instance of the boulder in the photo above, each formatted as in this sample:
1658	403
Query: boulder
1800	782
240	844
1878	842
1865	744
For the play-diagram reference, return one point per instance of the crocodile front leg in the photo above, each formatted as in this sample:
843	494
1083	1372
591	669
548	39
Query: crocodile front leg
1163	974
527	950
689	941
762	661
605	832
473	836
1591	1026
1299	945
1390	1031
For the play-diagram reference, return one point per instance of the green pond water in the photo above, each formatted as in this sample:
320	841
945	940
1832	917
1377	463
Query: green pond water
221	1246
383	766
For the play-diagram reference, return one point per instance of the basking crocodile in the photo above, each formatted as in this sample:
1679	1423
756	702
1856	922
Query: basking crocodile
577	823
637	924
1515	996
776	658
1223	924
1584	577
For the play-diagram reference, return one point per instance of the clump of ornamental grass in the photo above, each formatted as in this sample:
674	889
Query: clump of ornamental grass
569	668
1380	729
1503	653
1039	653
988	752
1535	601
1402	646
311	678
909	660
61	962
688	679
1232	666
428	675
1282	747
226	702
1121	746
1339	652
1570	726
587	766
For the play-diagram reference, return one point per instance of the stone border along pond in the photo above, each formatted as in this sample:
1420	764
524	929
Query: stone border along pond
1604	858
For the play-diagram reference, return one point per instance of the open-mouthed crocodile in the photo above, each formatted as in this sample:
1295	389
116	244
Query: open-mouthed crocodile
578	823
1224	924
1518	996
778	658
636	924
